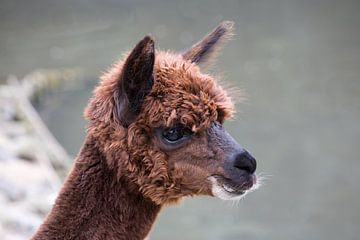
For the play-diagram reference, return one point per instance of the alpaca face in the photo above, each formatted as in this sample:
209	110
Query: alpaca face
158	120
210	162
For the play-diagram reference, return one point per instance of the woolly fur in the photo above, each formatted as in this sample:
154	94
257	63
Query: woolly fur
181	93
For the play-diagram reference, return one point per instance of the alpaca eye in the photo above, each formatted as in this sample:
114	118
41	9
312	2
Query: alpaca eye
177	133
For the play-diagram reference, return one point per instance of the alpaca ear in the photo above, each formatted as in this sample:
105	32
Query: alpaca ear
210	44
136	81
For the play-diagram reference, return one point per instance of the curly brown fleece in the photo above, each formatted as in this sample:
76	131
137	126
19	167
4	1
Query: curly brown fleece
123	175
181	93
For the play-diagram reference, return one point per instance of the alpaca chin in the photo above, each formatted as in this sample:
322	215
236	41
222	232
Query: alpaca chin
225	192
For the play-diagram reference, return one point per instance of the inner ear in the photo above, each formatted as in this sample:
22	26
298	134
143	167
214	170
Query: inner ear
136	81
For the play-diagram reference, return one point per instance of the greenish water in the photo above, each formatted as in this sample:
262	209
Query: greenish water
299	63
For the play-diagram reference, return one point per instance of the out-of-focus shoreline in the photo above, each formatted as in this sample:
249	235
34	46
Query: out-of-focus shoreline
32	162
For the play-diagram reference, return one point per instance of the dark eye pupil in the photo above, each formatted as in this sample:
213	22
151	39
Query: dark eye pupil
173	134
176	133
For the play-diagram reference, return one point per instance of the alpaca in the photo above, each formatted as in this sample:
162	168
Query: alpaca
154	136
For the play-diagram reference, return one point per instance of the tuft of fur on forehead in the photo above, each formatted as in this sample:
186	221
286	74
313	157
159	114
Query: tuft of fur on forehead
180	94
179	89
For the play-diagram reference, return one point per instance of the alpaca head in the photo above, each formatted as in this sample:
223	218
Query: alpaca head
158	121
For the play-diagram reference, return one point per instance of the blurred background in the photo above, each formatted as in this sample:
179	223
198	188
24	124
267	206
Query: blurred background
299	62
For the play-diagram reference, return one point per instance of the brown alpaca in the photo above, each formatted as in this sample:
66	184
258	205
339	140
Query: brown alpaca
155	135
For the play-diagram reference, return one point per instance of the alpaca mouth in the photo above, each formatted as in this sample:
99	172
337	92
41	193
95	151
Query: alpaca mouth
227	189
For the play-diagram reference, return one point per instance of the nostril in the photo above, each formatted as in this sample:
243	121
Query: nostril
244	161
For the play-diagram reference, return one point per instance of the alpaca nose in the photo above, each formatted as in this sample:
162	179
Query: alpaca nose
244	161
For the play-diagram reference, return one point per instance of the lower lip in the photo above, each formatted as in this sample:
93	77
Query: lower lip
231	191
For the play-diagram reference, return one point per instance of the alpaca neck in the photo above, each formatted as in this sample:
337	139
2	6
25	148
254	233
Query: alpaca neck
95	204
